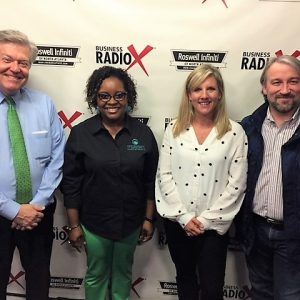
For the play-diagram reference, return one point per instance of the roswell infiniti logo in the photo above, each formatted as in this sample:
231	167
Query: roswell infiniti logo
62	56
187	60
221	0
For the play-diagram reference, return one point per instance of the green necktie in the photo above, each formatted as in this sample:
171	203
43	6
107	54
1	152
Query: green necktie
20	158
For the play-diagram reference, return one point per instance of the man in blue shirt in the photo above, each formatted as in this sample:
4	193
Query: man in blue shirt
29	226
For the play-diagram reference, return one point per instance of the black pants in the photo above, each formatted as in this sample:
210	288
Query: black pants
202	257
35	248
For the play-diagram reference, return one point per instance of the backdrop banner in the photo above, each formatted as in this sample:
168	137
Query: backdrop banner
159	43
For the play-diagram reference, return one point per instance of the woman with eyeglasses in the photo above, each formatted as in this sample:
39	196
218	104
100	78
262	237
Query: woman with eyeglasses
201	179
108	184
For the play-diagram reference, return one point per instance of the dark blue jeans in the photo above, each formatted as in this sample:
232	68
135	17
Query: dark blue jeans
199	261
269	265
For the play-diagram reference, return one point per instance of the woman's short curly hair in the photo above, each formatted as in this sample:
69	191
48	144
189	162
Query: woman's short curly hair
95	80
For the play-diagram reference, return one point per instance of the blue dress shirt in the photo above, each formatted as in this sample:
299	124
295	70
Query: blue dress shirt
44	140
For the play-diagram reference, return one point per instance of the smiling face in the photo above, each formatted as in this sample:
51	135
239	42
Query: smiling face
112	110
282	89
205	98
14	67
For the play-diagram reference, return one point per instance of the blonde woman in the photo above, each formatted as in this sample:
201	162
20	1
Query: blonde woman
200	184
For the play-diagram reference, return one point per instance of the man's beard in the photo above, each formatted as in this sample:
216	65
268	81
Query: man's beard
292	105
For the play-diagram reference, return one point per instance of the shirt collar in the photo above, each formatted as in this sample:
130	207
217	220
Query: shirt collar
269	116
293	119
96	124
296	115
16	97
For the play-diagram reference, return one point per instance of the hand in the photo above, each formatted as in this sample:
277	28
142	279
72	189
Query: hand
76	238
28	217
146	232
194	227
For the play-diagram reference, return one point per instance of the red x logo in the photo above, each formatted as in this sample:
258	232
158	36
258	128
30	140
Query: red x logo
135	283
68	122
248	292
138	57
15	278
222	1
295	54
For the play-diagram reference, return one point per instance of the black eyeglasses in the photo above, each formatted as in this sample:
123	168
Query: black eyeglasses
119	96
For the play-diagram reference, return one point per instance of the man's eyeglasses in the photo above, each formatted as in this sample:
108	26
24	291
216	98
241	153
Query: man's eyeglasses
119	96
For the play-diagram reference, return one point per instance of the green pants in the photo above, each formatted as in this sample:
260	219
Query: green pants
109	261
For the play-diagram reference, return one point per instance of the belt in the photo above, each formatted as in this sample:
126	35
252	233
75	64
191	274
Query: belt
273	222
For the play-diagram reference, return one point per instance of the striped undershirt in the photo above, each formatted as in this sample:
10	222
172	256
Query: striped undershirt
268	201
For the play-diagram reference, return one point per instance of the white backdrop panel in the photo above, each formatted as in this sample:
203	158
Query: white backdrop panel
246	32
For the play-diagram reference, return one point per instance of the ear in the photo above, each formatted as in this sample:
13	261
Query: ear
129	109
264	91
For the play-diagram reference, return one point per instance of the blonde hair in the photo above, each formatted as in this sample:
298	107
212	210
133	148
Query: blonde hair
186	111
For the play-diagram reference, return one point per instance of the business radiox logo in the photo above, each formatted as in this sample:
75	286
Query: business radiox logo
236	292
230	292
64	56
17	278
224	2
60	235
68	121
188	60
281	0
127	57
167	121
134	285
256	60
